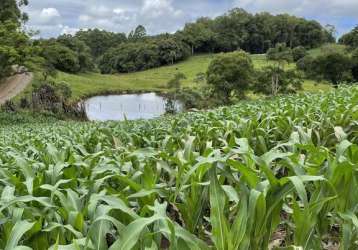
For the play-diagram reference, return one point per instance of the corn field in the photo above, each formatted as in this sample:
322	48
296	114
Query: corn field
270	174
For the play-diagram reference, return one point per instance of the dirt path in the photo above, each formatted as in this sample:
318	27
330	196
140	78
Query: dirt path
13	86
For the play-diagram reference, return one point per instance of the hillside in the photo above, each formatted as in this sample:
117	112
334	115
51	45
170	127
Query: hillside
279	157
156	79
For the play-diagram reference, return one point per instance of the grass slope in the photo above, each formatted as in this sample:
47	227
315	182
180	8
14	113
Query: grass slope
154	79
149	80
328	48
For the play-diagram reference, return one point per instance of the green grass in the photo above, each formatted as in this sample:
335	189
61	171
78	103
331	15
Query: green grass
151	80
328	47
89	84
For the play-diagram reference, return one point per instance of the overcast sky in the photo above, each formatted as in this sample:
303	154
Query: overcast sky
54	17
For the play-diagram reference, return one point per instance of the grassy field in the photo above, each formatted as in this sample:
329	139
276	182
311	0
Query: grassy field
328	47
150	80
84	85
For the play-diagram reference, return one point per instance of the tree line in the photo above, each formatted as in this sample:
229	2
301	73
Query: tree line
109	52
257	33
117	52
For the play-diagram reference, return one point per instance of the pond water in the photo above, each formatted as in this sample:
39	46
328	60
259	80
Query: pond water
131	107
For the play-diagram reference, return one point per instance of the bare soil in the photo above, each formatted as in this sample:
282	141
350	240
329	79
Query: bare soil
13	85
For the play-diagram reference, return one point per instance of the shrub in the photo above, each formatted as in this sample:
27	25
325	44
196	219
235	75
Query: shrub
62	58
273	80
24	103
280	53
298	53
50	95
175	83
8	106
334	67
230	73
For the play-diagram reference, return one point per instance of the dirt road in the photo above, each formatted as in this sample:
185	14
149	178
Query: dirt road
13	86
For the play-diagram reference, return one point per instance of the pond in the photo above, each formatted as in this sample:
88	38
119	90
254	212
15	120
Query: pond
129	106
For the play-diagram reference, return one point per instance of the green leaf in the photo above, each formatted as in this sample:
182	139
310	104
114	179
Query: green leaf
217	217
17	232
130	235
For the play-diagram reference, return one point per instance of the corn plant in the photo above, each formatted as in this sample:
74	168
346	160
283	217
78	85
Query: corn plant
266	174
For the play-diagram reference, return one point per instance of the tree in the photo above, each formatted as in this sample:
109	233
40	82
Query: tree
100	41
261	35
139	33
230	73
8	57
48	69
15	47
332	32
199	36
239	29
61	57
174	85
334	67
130	57
307	65
298	53
289	81
231	29
10	11
81	49
171	50
280	55
350	39
142	55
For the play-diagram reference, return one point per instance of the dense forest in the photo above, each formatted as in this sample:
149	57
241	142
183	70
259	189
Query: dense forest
237	29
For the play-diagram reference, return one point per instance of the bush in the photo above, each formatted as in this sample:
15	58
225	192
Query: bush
175	83
350	39
195	98
280	53
8	56
24	103
274	80
130	57
298	53
62	58
199	77
50	95
230	73
82	51
306	64
172	51
9	106
334	67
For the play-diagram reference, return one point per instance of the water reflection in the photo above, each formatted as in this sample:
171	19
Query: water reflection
133	107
